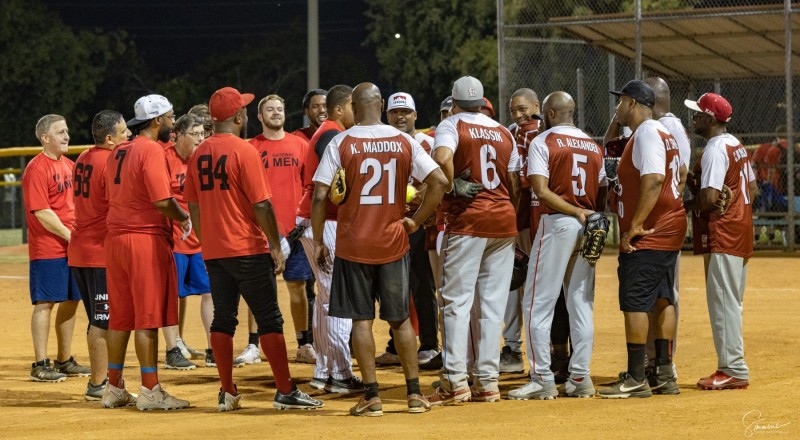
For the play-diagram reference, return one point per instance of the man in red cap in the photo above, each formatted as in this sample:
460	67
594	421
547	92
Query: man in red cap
725	162
228	193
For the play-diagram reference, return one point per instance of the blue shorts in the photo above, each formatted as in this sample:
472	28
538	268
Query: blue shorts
297	267
192	275
52	281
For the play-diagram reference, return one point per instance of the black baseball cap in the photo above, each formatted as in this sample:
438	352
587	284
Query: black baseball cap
639	92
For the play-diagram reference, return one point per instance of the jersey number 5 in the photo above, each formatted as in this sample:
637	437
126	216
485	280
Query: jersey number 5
377	169
209	173
579	174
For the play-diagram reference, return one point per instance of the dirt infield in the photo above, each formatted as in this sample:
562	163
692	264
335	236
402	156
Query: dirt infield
767	409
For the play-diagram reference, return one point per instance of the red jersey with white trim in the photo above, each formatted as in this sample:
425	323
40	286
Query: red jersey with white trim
699	219
225	177
91	208
488	150
573	164
726	162
652	150
136	177
47	184
310	168
378	161
177	179
283	160
305	133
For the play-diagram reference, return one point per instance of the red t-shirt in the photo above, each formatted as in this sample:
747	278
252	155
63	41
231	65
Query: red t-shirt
310	167
91	209
725	162
225	177
652	150
177	179
283	161
486	148
47	184
378	161
136	177
305	133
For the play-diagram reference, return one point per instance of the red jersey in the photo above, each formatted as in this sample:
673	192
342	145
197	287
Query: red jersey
91	209
652	150
177	179
378	161
699	219
305	133
283	161
226	179
486	148
47	184
136	177
725	162
573	164
328	129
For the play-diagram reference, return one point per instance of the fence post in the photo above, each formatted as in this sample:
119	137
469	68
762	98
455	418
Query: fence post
638	27
612	85
22	164
790	153
580	103
501	64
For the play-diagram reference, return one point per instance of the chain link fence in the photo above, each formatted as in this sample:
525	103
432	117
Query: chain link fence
589	48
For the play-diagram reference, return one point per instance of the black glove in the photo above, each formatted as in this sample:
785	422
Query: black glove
462	187
594	237
295	234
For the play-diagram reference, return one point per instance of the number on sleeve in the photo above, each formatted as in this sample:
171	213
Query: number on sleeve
675	177
744	174
579	174
377	169
119	157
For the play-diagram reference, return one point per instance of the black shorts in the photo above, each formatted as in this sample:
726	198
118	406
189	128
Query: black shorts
644	277
356	286
91	283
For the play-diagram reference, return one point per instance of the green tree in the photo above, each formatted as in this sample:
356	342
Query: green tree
439	41
46	67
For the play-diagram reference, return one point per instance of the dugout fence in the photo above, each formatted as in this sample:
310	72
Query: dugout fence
748	51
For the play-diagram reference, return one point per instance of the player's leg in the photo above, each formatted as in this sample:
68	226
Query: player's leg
225	296
311	297
423	293
320	326
198	285
579	286
296	274
65	327
40	328
92	286
174	358
559	340
511	357
461	259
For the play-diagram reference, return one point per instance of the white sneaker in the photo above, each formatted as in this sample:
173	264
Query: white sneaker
250	355
229	402
425	356
579	387
157	398
306	355
187	351
535	389
114	397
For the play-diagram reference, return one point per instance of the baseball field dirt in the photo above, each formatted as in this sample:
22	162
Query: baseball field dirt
768	409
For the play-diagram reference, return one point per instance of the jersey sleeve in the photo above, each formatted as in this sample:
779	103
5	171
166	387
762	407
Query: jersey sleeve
34	189
156	174
751	175
515	161
649	154
422	164
715	165
446	135
323	141
602	178
189	186
329	163
254	182
677	131
538	158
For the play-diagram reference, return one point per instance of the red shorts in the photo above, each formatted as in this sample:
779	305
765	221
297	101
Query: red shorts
142	282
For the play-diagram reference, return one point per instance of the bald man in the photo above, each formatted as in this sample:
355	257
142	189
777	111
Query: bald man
378	160
567	198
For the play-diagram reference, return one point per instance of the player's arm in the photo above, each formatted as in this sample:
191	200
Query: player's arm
649	190
435	186
513	188
265	216
171	209
541	187
194	213
444	158
48	218
602	198
682	175
613	130
318	203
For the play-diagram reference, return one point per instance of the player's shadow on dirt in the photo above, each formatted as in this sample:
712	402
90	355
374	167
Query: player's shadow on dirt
40	399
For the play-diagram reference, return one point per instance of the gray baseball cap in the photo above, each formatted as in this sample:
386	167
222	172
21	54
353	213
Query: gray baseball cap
149	107
468	92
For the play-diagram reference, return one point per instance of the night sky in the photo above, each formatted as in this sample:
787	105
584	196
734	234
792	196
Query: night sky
173	36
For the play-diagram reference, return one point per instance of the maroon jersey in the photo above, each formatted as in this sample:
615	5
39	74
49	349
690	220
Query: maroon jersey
699	219
488	150
652	150
378	161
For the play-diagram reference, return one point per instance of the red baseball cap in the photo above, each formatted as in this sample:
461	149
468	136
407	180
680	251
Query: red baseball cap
226	101
713	104
489	106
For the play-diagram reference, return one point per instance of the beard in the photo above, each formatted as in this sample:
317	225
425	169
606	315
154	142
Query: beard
165	135
243	132
274	124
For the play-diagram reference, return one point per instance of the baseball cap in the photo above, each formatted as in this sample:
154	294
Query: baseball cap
149	107
713	104
639	92
401	100
489	106
447	104
468	92
226	101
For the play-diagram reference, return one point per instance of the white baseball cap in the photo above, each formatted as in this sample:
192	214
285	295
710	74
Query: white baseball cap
149	107
401	100
468	92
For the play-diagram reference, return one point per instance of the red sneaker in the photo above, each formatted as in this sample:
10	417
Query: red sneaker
721	381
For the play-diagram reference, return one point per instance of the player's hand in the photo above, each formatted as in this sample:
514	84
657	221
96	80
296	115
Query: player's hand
279	259
463	187
693	183
582	214
186	227
410	225
628	237
323	258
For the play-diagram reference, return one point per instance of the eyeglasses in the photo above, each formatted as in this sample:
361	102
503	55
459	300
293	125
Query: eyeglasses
196	134
171	117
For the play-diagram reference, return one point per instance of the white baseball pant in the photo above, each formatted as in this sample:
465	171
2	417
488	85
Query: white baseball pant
727	275
475	270
331	334
555	263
